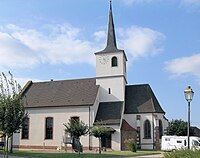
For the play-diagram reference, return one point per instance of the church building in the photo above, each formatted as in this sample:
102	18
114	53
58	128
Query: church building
128	111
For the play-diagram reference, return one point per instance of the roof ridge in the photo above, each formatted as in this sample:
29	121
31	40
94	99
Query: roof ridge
65	80
142	84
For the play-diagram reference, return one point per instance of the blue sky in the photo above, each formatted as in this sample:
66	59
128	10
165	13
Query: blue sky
43	40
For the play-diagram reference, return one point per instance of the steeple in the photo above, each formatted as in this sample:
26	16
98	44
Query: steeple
111	38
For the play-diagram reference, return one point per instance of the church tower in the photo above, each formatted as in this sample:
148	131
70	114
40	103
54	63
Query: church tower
111	67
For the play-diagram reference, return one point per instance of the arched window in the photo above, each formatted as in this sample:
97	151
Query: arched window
160	129
114	61
25	128
147	130
49	128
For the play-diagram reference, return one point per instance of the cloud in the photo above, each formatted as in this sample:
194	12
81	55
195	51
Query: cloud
141	41
100	35
192	3
61	44
20	47
184	66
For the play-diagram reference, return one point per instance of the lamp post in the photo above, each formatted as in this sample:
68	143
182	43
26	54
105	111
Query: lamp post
188	96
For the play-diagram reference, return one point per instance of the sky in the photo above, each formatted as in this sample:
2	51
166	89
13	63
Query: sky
48	39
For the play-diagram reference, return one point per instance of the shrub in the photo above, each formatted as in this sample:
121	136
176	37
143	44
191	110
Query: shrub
184	153
131	145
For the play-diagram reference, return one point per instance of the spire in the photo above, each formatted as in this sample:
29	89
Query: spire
111	39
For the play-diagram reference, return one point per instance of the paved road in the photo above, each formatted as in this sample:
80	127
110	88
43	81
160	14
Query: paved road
151	156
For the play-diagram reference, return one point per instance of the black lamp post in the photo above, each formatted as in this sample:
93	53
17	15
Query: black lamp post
188	96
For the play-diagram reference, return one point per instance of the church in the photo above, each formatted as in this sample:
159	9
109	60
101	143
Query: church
128	111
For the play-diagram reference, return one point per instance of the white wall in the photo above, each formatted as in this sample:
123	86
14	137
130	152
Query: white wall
116	85
60	115
116	139
132	120
103	70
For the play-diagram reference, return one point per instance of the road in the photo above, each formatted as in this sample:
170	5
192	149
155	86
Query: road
151	156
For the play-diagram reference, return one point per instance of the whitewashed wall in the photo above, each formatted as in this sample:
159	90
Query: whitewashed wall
117	86
106	69
60	116
131	119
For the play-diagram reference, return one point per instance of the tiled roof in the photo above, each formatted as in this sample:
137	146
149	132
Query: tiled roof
60	93
141	99
109	113
126	126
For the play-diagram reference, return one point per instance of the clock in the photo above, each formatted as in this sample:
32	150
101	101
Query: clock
103	59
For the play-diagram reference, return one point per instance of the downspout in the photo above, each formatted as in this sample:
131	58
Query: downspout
153	130
89	130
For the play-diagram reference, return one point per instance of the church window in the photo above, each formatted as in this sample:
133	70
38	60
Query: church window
75	118
49	128
25	128
114	61
109	91
160	129
147	130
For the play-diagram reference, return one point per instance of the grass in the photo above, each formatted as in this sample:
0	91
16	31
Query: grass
42	154
183	154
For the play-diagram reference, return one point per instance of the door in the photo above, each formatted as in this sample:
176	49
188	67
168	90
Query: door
106	141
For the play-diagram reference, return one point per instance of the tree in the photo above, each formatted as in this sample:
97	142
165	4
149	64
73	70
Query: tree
76	129
179	128
99	131
12	110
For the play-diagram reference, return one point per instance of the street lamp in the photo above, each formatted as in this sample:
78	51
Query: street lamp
188	96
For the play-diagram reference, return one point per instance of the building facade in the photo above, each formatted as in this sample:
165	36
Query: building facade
128	111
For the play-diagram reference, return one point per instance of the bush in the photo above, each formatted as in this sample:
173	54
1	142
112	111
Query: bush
184	153
131	145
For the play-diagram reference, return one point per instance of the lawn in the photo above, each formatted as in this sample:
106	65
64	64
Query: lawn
183	154
43	154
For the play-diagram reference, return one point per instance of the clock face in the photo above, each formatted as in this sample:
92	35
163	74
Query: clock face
103	59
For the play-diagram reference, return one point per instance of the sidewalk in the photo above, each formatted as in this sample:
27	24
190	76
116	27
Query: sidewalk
151	156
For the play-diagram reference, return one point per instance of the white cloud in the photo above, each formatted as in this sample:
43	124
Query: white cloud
140	41
193	3
55	44
184	66
27	47
100	35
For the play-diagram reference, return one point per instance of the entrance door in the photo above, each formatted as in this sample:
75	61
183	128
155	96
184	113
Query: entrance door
106	141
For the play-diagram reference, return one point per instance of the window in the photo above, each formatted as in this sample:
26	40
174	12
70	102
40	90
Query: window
179	141
75	118
114	61
25	128
147	130
160	129
109	91
49	128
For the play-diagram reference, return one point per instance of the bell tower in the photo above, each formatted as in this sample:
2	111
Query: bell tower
111	67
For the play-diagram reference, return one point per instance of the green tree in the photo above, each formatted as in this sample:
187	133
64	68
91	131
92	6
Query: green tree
12	110
179	128
99	131
76	129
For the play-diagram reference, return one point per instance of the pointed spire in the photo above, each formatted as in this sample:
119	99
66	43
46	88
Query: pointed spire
111	39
